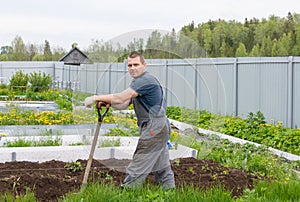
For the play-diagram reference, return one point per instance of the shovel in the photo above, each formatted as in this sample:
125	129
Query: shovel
91	156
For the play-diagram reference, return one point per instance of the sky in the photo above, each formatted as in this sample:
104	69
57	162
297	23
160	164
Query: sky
64	22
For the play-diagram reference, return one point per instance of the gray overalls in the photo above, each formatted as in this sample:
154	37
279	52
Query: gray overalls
151	154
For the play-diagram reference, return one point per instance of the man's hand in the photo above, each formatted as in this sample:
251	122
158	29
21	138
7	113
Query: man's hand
89	101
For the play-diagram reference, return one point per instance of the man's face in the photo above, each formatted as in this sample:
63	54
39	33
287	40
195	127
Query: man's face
135	67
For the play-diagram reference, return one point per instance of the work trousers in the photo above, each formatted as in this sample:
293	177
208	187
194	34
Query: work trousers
151	155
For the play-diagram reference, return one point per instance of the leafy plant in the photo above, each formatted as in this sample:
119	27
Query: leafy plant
108	177
73	166
39	82
19	81
253	128
4	89
177	162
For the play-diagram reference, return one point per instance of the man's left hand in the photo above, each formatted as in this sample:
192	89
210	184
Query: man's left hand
89	101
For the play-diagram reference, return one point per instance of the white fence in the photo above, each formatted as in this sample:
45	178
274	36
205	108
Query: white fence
232	86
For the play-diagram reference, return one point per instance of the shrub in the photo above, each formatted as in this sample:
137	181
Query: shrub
3	89
40	82
19	81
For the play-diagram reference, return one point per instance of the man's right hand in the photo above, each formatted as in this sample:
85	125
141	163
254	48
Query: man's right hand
89	101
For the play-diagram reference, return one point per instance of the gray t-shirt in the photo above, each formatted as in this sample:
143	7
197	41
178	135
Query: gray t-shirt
149	90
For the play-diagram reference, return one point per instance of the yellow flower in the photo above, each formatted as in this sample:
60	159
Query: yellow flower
3	134
174	133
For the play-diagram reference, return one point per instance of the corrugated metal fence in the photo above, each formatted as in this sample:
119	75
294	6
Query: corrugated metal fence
232	86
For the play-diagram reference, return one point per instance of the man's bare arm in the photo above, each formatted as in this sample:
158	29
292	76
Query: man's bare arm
122	106
117	98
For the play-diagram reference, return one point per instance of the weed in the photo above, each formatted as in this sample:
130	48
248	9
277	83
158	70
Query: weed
110	143
191	169
177	162
73	166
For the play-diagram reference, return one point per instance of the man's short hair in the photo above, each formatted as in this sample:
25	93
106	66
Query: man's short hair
135	54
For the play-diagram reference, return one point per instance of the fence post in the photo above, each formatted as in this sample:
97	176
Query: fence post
13	156
235	87
109	77
290	95
196	86
167	79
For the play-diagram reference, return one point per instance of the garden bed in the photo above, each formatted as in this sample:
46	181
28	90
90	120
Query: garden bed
29	105
51	180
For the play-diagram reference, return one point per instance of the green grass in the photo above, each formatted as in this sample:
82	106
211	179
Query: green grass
259	159
46	139
8	197
108	192
123	133
273	191
110	143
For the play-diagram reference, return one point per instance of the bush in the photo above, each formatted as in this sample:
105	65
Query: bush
40	82
3	89
19	81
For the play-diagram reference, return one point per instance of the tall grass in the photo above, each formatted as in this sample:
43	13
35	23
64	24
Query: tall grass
108	192
276	191
248	157
273	191
45	139
8	197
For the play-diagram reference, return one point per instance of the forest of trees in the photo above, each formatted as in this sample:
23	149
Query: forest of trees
270	37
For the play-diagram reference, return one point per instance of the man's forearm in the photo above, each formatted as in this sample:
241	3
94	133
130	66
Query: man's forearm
112	99
122	106
117	98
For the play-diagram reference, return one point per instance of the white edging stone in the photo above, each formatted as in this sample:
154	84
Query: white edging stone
73	153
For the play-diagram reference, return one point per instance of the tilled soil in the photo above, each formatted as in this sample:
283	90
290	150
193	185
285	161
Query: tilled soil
51	180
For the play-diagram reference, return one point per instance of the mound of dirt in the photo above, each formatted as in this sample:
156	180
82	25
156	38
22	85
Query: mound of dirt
51	180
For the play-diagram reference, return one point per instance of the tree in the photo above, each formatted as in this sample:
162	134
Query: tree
3	57
266	47
289	23
296	48
255	52
207	41
38	57
47	51
154	45
74	45
6	52
94	51
169	43
19	52
285	45
250	30
275	48
224	49
218	37
241	50
32	50
58	53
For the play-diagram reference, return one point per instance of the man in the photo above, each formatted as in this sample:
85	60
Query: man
146	95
